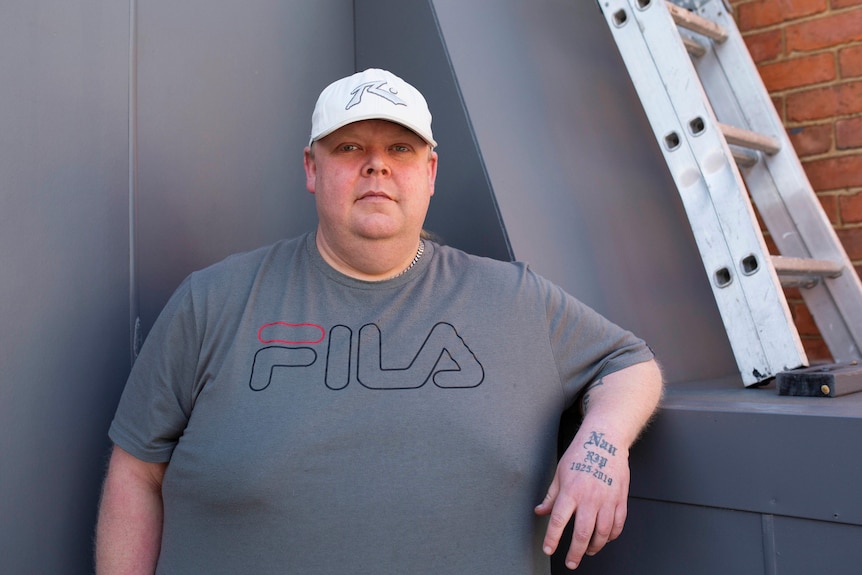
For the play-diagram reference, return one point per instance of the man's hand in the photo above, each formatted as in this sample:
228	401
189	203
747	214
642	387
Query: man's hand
592	479
591	484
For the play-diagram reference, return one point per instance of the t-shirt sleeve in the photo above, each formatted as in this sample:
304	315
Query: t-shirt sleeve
586	345
157	401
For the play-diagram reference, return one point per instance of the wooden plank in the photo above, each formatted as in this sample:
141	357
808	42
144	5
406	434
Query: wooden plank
695	23
692	46
739	137
806	267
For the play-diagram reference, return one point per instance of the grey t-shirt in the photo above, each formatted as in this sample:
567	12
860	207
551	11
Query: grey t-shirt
315	423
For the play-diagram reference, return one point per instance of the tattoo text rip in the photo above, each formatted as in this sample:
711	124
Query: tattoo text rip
595	462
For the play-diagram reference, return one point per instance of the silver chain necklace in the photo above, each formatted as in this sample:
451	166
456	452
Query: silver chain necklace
419	253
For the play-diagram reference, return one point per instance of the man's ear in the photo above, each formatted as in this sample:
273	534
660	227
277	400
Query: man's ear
432	169
310	169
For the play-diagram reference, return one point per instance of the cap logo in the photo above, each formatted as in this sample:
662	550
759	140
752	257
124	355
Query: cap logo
375	88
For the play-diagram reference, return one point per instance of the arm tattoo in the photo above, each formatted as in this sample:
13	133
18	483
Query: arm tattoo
585	401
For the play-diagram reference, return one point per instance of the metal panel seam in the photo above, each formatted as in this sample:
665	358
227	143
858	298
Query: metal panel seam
466	112
134	319
768	527
355	36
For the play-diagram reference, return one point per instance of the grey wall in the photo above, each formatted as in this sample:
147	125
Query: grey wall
64	271
109	196
225	92
218	122
463	212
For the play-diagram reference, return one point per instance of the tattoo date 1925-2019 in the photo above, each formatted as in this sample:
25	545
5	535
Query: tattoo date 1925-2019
594	462
594	471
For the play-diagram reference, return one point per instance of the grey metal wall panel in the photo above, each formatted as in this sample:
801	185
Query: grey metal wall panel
64	272
672	539
463	212
581	185
752	450
804	547
789	462
225	93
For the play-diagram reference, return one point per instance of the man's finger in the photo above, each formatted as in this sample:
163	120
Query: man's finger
561	513
547	504
602	533
584	527
619	520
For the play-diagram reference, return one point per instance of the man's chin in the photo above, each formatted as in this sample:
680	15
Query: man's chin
378	228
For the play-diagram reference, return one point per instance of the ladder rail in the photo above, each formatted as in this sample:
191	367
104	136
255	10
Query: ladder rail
780	188
763	339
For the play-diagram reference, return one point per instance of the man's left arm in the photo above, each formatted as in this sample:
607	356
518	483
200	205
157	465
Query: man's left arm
591	483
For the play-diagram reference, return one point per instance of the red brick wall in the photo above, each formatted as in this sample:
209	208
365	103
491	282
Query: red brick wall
809	53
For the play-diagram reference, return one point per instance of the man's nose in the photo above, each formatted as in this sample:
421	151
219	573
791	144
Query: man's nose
376	165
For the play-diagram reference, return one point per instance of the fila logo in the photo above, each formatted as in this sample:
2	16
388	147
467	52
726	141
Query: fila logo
375	88
443	359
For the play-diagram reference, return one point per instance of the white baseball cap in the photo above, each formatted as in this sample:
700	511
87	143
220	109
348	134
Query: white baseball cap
371	95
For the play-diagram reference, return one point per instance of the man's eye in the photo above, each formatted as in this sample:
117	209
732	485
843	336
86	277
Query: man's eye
401	148
349	147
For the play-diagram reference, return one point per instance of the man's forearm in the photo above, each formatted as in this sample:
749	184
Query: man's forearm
623	402
128	535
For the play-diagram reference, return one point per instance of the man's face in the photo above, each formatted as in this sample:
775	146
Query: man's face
372	179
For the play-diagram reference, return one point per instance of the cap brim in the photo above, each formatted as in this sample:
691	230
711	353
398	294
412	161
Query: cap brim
375	116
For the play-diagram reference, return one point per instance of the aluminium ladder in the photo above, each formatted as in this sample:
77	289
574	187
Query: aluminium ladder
723	141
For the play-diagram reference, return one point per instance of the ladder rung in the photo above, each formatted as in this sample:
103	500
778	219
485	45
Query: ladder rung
744	158
788	266
747	139
799	282
695	23
692	46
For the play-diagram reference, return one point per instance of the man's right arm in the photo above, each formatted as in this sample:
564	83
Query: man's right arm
129	531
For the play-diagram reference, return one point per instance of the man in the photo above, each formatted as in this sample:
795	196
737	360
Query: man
363	400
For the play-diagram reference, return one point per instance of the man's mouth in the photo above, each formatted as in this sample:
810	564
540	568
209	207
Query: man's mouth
374	196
